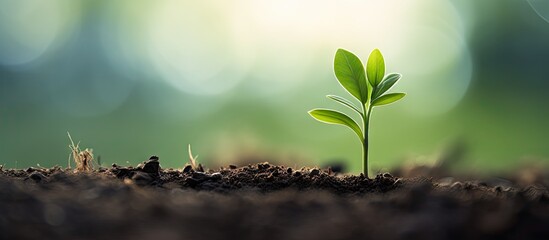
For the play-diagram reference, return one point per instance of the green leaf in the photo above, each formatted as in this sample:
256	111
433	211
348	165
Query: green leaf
375	69
388	98
335	117
386	84
344	102
350	73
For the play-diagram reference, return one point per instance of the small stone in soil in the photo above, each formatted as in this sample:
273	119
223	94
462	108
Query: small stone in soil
37	176
152	166
187	168
262	166
216	176
200	168
314	172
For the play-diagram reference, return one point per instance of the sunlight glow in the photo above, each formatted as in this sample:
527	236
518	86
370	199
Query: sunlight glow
209	47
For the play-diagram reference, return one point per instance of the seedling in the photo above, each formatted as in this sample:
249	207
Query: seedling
368	87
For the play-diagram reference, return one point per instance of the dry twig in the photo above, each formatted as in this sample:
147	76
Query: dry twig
194	164
83	159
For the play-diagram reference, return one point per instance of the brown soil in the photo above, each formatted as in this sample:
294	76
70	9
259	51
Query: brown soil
261	201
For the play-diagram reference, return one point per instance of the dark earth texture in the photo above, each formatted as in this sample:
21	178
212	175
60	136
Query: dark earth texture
262	201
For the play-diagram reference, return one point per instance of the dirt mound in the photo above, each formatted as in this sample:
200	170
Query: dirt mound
260	201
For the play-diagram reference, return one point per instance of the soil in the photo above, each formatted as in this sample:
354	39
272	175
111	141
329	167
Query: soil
262	201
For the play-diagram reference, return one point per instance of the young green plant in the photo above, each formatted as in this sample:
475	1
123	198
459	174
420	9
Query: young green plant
367	86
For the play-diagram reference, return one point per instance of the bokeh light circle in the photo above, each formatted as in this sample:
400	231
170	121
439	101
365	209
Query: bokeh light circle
190	47
29	29
437	70
541	7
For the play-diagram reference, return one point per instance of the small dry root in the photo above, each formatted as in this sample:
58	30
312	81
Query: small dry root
194	164
83	159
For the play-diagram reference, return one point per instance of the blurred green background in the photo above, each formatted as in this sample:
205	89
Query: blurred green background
235	79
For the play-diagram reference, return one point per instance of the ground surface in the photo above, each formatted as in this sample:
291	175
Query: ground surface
262	202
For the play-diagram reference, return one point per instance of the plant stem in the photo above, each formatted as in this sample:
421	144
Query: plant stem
366	109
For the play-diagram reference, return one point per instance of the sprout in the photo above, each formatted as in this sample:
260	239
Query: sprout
368	87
